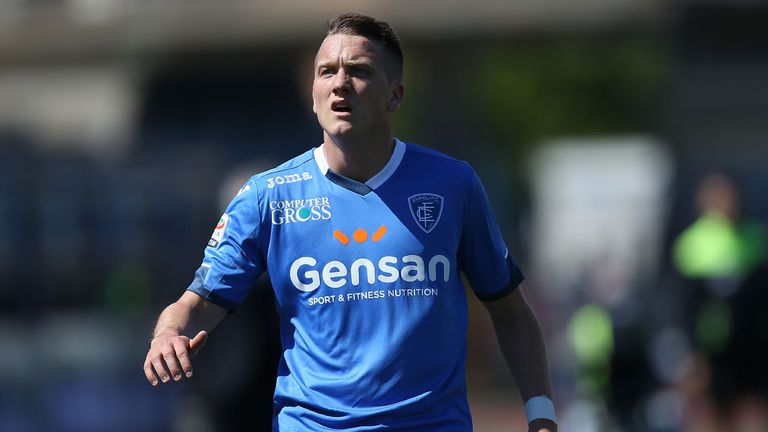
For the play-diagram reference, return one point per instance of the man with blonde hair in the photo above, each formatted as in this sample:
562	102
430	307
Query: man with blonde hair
364	239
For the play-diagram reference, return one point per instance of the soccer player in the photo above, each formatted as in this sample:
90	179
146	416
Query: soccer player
364	239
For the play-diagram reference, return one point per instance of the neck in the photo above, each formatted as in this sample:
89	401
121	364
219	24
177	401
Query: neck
359	159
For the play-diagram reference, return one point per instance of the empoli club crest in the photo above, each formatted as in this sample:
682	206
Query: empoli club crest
426	209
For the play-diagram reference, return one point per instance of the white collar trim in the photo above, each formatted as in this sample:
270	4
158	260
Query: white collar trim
322	162
379	178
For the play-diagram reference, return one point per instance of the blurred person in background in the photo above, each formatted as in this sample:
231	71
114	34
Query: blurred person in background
391	356
722	246
722	260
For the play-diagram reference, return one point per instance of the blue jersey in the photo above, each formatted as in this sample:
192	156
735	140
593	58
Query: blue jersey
373	312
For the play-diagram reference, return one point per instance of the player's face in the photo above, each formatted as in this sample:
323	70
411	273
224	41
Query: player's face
351	92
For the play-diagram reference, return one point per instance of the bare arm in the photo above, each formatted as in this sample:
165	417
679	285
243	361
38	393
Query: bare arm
522	344
171	348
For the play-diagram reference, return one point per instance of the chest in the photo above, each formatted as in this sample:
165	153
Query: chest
347	226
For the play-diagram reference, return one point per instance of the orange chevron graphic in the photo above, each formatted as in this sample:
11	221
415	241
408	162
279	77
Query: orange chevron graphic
359	235
338	235
379	233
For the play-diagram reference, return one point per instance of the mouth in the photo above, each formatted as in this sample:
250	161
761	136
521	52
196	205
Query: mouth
341	107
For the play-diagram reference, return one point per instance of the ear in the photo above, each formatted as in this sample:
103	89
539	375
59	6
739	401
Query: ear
396	96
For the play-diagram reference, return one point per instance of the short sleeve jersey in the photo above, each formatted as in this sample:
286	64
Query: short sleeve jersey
373	312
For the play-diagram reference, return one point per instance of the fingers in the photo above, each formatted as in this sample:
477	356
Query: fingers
197	343
169	358
182	353
160	371
169	355
149	372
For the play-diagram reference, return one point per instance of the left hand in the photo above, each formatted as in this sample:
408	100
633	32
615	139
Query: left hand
542	425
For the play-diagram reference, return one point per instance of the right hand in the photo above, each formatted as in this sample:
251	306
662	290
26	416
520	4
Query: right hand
169	356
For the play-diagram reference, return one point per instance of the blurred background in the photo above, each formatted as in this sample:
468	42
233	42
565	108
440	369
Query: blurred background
623	143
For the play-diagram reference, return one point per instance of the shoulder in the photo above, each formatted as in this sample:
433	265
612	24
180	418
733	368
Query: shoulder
298	169
432	155
436	162
287	171
263	186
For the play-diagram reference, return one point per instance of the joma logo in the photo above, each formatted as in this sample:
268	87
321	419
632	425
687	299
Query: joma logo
289	178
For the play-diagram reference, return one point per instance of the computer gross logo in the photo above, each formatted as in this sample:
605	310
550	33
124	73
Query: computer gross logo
300	210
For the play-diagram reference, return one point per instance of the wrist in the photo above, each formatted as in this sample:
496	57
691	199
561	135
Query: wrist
165	331
541	413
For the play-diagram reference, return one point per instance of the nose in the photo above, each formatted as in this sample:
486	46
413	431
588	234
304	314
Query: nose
341	81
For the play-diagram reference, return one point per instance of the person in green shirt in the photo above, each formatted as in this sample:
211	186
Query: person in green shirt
721	243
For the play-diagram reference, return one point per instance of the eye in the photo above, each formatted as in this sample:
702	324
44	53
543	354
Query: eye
359	71
325	72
